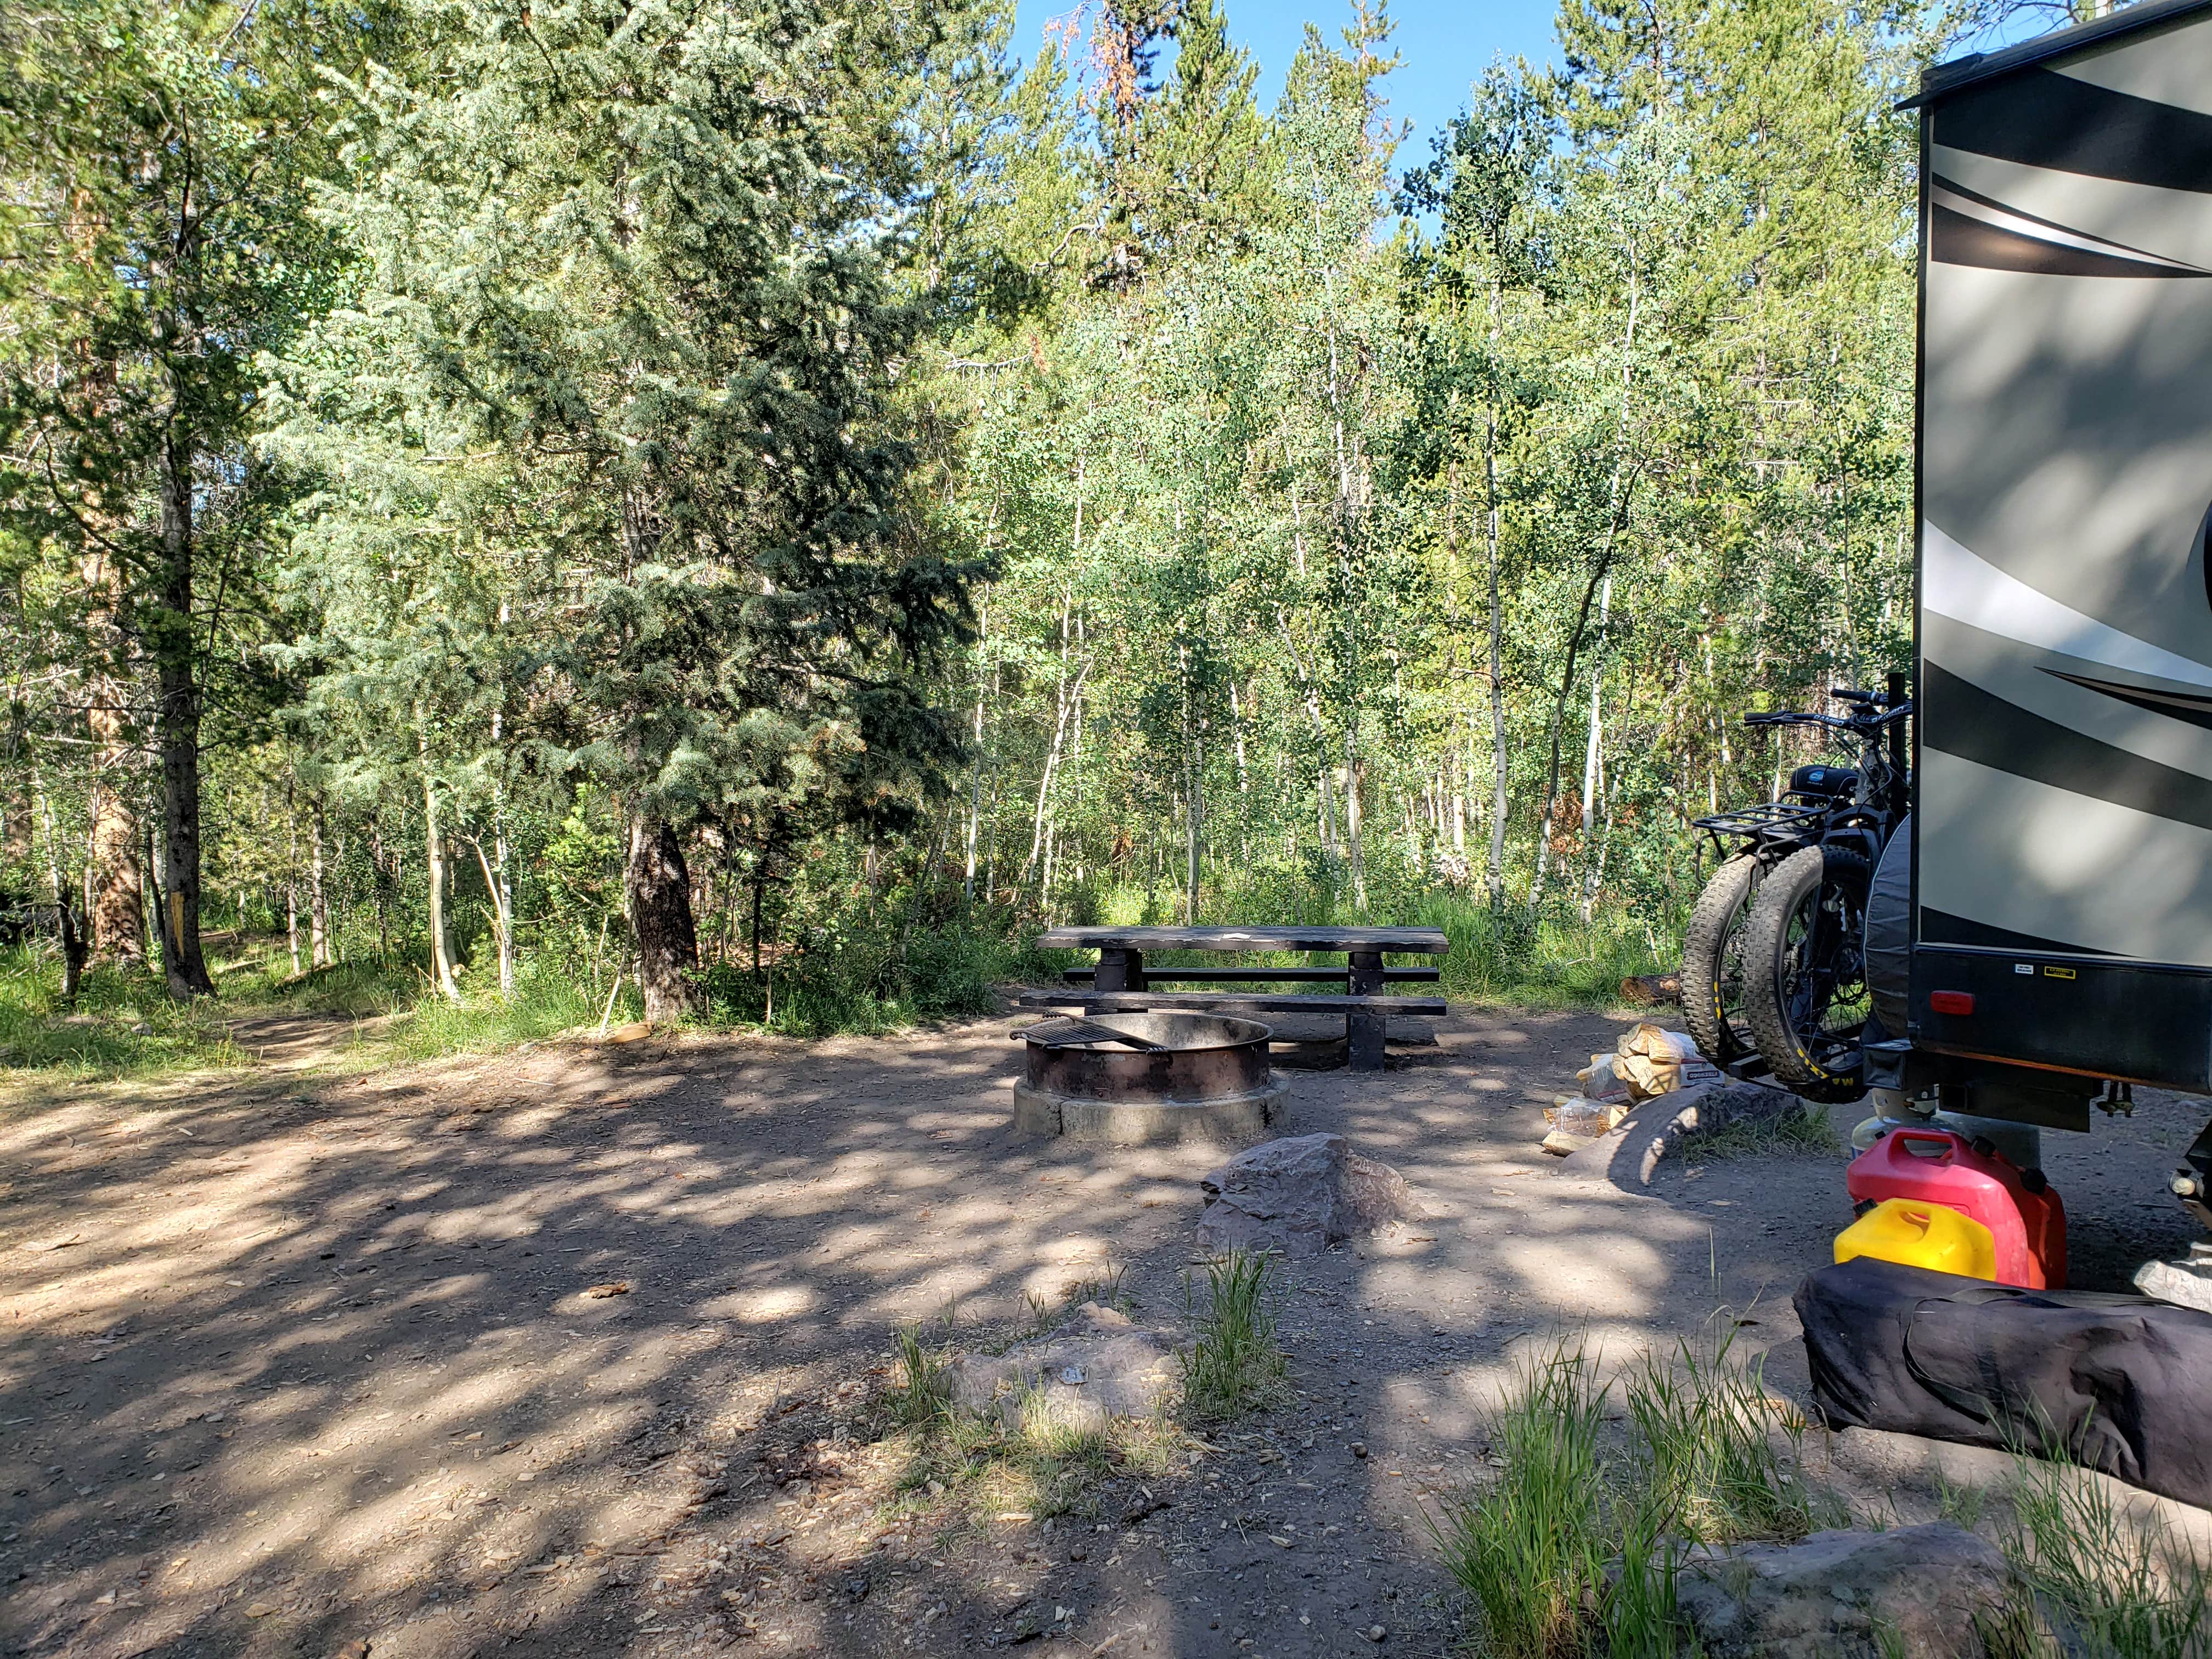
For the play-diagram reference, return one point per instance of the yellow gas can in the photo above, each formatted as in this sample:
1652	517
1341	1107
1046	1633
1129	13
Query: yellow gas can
1921	1235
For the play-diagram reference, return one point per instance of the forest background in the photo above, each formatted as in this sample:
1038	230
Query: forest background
519	515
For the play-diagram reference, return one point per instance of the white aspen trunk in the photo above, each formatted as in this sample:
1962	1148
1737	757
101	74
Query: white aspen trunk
1236	727
1075	742
1347	506
1197	816
1191	792
991	815
1061	706
1590	750
1324	807
1069	697
503	895
499	878
1604	846
53	853
1497	759
976	768
319	912
441	949
502	920
1615	511
291	889
1354	823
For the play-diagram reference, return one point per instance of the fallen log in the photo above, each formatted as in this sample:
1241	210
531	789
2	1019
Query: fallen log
1649	990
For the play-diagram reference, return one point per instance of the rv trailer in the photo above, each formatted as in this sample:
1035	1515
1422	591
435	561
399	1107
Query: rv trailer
2049	939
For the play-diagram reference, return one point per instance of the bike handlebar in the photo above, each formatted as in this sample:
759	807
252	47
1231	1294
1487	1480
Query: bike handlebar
1864	721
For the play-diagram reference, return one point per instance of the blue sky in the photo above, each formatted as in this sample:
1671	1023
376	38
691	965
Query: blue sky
1445	44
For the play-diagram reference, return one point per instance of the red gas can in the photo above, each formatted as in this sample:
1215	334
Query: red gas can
1937	1166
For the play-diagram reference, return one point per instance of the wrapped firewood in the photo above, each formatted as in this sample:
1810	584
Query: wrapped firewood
1577	1114
1658	1042
1601	1079
1648	1078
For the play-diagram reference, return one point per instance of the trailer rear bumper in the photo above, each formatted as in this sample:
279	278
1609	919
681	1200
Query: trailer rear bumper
2149	1022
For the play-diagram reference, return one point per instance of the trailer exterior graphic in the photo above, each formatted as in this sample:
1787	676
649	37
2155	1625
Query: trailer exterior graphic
2061	891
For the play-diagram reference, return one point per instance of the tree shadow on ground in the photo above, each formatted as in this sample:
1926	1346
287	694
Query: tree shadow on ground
287	1371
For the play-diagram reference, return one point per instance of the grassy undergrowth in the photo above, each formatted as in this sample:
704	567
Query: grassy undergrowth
1576	1548
881	978
123	1023
1807	1130
1708	1460
2110	1581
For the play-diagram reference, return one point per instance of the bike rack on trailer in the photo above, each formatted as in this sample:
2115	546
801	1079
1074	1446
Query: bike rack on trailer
1760	823
1752	1068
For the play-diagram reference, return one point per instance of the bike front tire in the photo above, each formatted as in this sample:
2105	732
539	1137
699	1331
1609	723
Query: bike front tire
1799	1008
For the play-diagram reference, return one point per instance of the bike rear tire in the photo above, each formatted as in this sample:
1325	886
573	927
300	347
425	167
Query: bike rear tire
1799	1044
1712	962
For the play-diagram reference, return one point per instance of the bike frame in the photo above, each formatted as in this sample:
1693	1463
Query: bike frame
1774	829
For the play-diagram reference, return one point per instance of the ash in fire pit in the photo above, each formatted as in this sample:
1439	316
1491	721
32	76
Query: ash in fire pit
1133	1077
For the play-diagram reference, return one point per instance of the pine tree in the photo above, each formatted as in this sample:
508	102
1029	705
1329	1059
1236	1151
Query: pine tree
1203	133
155	240
623	318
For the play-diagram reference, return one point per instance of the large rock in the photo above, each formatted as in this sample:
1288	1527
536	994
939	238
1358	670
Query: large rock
1671	1124
1848	1595
1096	1366
1299	1195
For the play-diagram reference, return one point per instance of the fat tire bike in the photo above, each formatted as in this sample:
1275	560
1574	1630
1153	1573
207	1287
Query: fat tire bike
1774	959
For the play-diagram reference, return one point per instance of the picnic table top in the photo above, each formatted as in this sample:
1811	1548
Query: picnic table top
1427	940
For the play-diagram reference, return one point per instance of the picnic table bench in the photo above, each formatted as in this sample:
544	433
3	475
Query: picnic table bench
1123	981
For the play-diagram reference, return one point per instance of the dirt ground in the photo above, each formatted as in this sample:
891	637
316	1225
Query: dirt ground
306	1358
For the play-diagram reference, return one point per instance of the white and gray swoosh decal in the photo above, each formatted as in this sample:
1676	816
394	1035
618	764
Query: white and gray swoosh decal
1957	583
2011	222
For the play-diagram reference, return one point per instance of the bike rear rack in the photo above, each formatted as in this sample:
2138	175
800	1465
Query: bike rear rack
1764	819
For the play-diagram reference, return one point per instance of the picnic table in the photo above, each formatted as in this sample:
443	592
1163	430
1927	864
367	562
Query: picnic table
1123	981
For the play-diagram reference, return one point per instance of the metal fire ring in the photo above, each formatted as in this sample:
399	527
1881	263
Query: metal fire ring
1205	1078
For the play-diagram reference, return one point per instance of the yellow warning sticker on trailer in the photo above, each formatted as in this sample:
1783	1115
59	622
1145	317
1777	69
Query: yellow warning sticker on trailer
2050	972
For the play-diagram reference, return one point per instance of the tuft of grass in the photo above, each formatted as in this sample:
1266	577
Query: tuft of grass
1235	1363
1022	1458
1639	1611
1805	1131
1105	1288
1531	1550
1575	1549
1706	1432
2113	1580
1962	1506
922	1393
